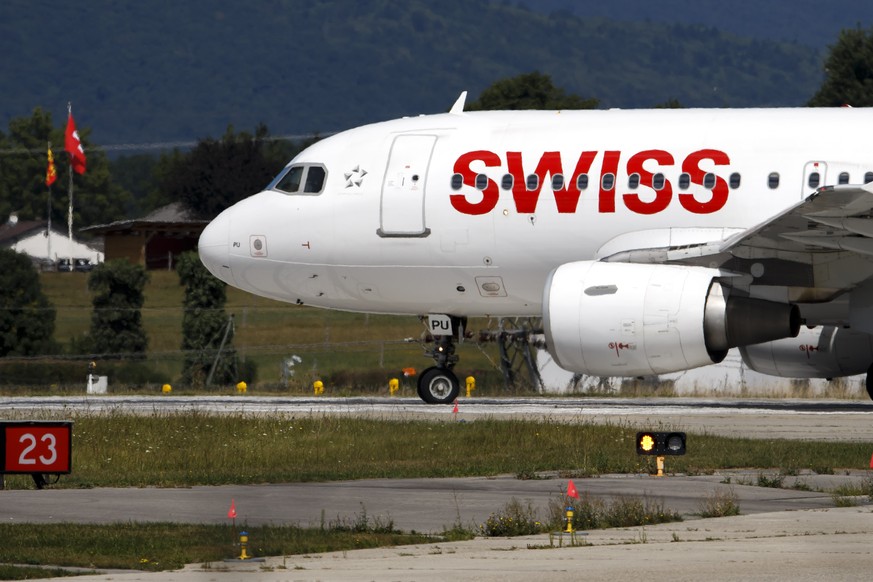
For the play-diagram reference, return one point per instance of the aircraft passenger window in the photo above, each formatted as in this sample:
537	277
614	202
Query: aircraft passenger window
314	180
557	182
507	181
481	181
457	181
658	181
734	180
532	182
684	180
633	181
773	180
709	180
814	179
868	177
844	178
608	181
582	181
290	182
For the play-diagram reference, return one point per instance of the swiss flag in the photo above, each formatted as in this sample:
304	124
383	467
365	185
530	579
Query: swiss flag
74	146
571	490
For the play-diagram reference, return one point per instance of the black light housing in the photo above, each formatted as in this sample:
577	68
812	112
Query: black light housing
660	443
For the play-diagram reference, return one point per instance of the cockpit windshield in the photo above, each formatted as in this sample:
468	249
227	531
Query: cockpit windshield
311	177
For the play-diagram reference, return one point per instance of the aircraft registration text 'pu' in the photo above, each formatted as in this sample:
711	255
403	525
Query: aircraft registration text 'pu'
649	241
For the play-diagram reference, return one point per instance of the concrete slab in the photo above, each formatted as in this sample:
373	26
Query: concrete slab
822	544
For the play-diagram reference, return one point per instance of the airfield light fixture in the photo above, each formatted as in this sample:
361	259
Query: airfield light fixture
660	443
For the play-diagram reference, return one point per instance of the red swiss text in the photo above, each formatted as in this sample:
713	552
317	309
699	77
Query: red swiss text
645	164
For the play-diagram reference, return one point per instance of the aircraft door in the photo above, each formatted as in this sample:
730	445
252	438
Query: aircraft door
402	208
814	174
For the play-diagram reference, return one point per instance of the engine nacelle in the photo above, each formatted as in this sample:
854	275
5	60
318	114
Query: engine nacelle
627	319
821	352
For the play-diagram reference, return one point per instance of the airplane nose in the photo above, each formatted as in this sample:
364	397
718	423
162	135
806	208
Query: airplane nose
213	247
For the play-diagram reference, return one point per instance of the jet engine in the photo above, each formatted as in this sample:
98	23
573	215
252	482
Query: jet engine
821	352
626	319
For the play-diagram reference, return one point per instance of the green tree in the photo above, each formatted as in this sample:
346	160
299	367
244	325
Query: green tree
528	91
97	199
218	173
848	72
137	175
204	325
27	318
116	322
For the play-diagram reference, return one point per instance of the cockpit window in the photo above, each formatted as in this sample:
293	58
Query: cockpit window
304	179
314	180
290	182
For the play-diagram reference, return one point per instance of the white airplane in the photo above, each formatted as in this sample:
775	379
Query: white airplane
649	241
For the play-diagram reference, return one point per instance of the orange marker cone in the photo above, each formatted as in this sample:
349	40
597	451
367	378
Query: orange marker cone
571	490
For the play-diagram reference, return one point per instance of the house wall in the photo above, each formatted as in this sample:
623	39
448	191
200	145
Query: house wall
125	246
151	249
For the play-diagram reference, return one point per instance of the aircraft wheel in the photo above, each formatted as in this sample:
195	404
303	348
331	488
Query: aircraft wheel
438	386
868	381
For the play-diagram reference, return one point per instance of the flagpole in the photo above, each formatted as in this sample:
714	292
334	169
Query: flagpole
70	209
49	213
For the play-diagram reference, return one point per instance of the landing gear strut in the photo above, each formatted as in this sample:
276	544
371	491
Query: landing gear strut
438	384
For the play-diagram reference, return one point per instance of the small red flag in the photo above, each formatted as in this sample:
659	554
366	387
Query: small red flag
50	174
455	409
571	490
871	462
231	513
73	145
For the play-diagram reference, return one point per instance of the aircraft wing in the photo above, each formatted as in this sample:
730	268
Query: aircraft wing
811	252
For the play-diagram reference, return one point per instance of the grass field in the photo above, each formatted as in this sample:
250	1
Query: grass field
269	332
189	448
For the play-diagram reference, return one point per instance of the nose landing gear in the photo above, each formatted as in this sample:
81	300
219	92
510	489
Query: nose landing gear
439	384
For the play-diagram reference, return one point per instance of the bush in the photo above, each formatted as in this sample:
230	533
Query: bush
720	504
591	513
515	520
27	318
206	327
116	322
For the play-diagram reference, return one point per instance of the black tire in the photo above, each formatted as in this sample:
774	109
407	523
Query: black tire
438	386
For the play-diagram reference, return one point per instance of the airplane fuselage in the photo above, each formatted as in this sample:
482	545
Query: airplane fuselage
468	214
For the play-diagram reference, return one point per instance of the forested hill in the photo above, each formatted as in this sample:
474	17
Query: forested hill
161	70
808	22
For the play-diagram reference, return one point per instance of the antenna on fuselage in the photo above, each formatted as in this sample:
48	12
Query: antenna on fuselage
458	107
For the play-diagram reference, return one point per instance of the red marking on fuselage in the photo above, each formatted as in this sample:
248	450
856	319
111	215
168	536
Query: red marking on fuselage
645	164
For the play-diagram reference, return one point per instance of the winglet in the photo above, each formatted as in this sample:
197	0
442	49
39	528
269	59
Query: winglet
458	107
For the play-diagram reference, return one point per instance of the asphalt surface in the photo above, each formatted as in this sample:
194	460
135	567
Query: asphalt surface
782	534
770	418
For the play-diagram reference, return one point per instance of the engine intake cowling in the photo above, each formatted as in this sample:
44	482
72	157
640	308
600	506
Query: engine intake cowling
623	319
821	352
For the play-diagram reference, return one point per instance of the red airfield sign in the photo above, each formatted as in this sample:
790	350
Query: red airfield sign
36	446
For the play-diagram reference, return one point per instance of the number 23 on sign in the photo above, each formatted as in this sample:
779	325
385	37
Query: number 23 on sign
37	447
